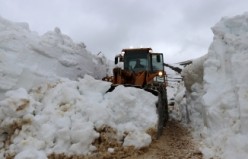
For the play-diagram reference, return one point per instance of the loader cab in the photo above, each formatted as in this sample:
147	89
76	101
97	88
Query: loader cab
150	62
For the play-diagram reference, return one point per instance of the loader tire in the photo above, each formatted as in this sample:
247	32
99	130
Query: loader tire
162	111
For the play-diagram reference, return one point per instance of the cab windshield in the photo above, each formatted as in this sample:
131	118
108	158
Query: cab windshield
136	62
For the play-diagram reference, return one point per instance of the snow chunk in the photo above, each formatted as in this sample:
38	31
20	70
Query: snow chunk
31	154
137	139
111	150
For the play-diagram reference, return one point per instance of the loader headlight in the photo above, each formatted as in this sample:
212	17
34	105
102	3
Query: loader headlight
160	73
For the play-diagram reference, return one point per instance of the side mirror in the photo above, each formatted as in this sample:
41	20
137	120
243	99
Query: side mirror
116	60
158	58
121	59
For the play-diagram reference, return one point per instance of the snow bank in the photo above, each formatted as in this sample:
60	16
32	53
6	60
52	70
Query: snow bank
27	59
188	98
67	116
218	103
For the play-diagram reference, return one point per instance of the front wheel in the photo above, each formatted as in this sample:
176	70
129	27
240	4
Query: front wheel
162	111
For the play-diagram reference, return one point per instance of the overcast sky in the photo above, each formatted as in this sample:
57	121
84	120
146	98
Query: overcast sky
181	29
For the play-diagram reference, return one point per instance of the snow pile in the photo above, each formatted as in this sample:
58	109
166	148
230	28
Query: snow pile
27	59
50	103
66	117
218	103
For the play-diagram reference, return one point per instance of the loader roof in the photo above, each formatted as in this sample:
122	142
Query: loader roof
137	49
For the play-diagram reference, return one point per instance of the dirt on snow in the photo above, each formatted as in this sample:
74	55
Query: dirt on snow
176	142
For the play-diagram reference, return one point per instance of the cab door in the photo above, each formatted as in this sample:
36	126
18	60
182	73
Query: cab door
157	66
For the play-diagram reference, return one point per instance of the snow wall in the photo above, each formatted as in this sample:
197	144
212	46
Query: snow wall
27	59
217	91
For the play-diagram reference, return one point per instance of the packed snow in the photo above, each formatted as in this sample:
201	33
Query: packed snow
52	102
217	92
